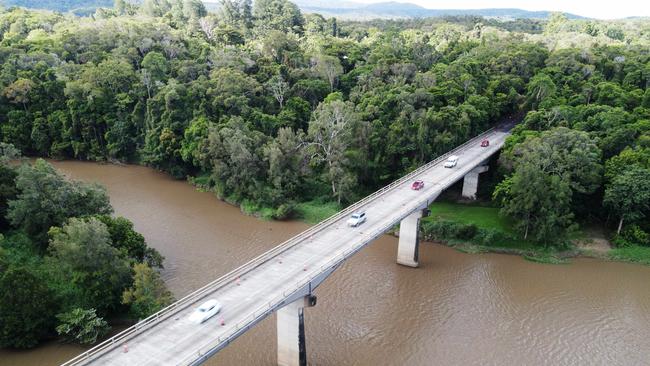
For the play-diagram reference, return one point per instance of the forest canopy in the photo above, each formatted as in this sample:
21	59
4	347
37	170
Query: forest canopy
269	107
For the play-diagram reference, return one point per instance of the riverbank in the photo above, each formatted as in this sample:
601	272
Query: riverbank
469	228
310	212
479	229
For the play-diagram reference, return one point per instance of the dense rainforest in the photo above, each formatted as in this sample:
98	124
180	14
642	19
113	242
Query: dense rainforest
66	265
270	108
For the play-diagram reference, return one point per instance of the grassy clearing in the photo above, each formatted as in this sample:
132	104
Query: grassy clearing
633	253
486	218
315	211
483	217
251	208
494	233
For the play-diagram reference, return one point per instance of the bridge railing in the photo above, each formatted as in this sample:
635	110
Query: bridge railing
233	275
204	351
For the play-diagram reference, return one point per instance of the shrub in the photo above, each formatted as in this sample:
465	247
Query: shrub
81	326
487	236
148	294
443	229
466	232
26	308
285	211
632	235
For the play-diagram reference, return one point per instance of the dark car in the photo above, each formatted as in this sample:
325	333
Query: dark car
485	143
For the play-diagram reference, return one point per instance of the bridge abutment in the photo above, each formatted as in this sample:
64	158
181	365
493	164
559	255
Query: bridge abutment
292	350
408	246
470	182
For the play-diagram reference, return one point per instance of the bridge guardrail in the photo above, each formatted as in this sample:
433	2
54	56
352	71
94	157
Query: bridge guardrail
231	276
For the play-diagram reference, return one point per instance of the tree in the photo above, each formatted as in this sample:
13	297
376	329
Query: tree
8	152
331	134
26	308
156	64
156	8
148	294
548	171
47	199
194	9
246	7
237	13
287	160
8	191
624	161
278	88
281	15
130	242
329	67
237	164
208	25
82	250
628	195
569	154
81	326
541	87
19	91
125	7
8	175
539	203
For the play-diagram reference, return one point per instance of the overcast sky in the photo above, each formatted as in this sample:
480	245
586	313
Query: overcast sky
595	9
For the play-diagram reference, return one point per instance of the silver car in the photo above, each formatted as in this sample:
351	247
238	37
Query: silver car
357	219
451	161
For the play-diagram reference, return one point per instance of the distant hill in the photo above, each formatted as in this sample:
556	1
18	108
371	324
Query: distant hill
60	5
339	8
350	10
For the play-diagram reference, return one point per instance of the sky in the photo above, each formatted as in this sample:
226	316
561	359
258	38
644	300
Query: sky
599	9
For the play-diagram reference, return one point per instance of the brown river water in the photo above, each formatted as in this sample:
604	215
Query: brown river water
456	309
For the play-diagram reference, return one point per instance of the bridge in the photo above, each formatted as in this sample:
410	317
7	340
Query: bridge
283	279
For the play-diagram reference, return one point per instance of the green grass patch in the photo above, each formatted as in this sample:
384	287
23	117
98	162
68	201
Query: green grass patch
546	258
252	208
632	253
202	182
482	217
315	211
476	229
485	219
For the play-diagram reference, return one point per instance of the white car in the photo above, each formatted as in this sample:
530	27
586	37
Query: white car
207	310
357	219
451	161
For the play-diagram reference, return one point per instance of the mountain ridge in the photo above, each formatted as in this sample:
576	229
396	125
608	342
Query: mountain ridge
394	9
343	9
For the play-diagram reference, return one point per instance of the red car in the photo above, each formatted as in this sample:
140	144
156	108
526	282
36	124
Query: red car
485	143
417	185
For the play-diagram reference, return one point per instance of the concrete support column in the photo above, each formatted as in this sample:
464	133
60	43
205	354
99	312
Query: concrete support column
407	249
291	332
470	182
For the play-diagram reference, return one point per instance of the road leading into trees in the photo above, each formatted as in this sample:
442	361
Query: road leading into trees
295	268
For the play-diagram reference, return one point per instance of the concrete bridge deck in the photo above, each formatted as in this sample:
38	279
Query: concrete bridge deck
284	274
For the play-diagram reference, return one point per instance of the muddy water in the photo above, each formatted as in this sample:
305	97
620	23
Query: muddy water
456	309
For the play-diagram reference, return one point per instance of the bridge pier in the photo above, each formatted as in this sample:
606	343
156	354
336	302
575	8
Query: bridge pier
470	182
408	246
292	350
